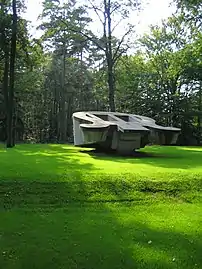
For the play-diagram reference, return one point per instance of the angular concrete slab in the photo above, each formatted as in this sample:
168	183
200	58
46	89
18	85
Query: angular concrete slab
119	131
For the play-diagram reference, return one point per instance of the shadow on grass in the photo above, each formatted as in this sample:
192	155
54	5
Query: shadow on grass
167	157
99	236
52	223
45	195
55	158
56	175
42	163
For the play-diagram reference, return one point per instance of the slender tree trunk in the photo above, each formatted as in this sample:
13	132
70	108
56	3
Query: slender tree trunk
5	88
63	118
54	124
14	126
111	85
5	74
10	140
109	54
199	117
5	81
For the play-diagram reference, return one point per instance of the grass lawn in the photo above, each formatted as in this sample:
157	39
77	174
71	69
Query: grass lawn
71	208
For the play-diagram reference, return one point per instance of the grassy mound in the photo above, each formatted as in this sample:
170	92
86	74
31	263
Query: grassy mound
59	174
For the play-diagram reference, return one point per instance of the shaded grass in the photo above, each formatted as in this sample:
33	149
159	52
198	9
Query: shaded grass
65	207
64	162
110	236
83	175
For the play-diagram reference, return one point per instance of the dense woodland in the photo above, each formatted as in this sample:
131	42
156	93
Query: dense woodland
71	68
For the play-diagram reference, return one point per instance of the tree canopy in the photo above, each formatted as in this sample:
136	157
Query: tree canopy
72	68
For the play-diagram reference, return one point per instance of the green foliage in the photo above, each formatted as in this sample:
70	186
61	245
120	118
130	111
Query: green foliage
62	25
71	68
164	80
191	11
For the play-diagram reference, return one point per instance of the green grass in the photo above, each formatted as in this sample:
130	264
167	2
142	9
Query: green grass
65	207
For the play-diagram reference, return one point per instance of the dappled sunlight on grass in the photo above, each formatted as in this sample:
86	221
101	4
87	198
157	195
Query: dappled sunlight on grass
122	236
161	232
156	173
33	162
154	160
65	162
67	207
84	175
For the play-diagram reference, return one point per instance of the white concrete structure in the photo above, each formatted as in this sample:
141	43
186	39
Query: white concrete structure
119	131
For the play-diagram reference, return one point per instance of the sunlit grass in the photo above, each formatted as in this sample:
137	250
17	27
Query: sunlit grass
62	162
65	207
103	236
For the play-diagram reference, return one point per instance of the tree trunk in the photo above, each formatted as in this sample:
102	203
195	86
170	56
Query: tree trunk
5	81
199	117
5	88
109	55
111	85
10	138
63	124
63	117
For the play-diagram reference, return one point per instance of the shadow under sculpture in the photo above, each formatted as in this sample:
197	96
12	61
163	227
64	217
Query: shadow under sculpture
120	132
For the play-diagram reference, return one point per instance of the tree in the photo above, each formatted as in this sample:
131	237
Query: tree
109	13
191	11
72	69
10	120
8	46
106	11
66	44
16	51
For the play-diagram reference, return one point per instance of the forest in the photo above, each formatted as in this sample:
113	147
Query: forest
73	68
68	207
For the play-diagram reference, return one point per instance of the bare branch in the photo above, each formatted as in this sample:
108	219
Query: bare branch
119	55
120	43
83	34
96	11
116	25
105	28
116	7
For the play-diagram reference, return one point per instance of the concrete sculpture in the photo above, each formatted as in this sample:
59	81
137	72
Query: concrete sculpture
119	131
